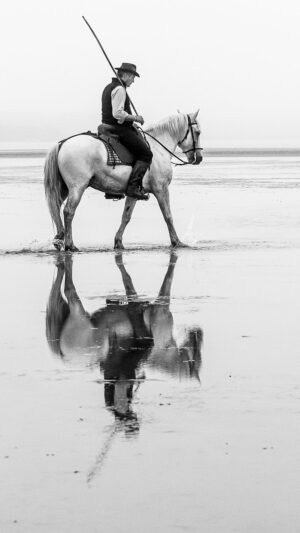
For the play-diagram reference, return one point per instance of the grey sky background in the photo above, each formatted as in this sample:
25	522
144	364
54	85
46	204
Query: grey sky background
238	61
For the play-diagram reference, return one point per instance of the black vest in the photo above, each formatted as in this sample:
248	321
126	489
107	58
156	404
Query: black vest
107	116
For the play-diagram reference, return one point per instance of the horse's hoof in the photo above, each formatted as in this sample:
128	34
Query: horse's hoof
179	244
71	248
119	245
58	244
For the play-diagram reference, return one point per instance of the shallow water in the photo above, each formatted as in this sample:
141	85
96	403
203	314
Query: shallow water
225	202
210	438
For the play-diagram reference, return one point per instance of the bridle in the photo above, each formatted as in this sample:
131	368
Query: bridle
190	129
194	149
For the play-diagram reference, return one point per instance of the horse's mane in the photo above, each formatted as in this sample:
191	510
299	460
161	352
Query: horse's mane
174	124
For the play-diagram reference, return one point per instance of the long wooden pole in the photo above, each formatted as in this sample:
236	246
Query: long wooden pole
109	62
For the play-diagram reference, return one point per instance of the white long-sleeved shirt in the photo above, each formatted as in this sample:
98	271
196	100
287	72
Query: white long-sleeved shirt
118	97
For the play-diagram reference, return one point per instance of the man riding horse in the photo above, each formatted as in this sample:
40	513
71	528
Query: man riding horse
117	113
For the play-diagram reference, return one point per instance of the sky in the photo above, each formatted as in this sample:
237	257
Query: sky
237	61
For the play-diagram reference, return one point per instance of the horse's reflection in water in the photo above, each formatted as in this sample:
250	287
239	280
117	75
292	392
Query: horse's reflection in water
120	337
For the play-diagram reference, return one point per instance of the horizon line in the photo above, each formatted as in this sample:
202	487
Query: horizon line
210	151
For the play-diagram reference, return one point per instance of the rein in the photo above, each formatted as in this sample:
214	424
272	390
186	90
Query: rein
167	149
189	128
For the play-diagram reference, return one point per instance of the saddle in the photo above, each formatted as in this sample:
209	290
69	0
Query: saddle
117	153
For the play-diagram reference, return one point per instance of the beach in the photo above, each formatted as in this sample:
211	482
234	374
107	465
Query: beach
201	432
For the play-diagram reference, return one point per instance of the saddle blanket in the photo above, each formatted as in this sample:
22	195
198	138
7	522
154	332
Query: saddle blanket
117	154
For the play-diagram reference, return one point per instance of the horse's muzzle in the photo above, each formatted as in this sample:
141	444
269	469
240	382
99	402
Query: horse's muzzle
198	159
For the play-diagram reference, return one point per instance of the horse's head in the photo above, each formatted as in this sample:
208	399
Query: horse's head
190	143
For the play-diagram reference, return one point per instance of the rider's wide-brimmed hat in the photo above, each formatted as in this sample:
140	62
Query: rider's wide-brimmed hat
128	67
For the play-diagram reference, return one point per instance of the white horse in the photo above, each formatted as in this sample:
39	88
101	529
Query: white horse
82	162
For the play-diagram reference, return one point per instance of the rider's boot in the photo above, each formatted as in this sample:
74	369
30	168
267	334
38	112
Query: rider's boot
135	188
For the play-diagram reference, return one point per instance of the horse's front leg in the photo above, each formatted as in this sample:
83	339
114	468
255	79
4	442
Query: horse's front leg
128	209
163	198
127	281
165	290
69	212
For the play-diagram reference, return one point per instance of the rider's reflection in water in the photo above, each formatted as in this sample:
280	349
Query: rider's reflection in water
120	337
125	355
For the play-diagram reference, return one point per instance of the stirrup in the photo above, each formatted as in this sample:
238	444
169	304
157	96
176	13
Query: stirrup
114	196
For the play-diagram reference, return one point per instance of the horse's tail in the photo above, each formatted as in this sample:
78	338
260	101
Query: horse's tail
56	190
57	312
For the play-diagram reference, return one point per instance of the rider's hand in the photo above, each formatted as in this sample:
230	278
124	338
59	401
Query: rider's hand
139	118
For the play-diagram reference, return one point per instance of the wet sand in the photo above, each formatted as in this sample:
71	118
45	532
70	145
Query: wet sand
210	438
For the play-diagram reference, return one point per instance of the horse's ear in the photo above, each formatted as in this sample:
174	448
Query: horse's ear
196	113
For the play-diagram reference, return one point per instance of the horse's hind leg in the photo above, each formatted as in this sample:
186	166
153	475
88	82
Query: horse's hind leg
58	240
128	208
69	212
70	290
